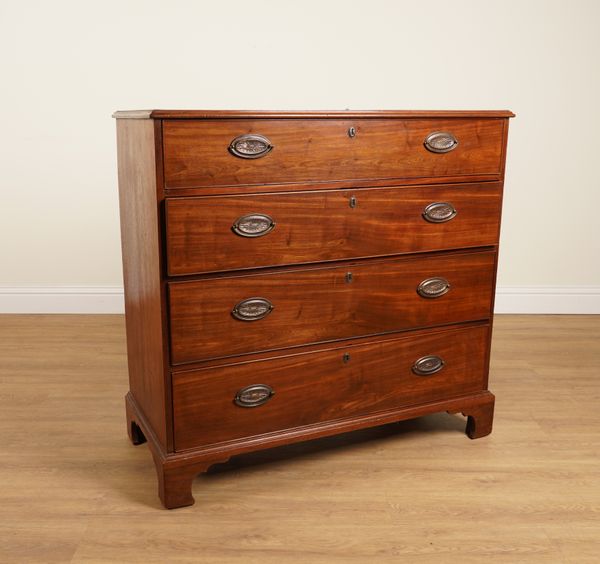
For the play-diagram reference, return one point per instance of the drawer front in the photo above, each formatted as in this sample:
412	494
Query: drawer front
243	400
201	153
237	232
226	316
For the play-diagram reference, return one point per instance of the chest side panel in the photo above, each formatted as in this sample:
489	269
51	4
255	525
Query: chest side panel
140	232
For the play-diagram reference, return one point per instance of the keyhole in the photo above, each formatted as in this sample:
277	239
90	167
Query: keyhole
352	201
346	358
349	277
351	132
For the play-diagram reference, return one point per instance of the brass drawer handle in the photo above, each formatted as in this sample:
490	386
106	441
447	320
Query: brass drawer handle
433	287
253	225
440	142
439	212
252	309
254	395
427	365
250	146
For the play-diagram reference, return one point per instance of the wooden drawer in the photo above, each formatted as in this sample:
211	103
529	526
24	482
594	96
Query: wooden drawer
206	234
328	385
319	304
197	152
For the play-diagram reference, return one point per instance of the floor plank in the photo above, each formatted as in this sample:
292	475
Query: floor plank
73	489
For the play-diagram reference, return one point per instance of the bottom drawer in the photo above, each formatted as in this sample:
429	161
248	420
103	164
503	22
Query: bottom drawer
234	401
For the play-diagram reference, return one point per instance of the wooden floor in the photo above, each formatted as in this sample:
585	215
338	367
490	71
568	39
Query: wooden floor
73	489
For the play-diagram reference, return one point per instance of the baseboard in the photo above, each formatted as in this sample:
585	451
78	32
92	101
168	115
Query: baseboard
62	299
548	299
109	299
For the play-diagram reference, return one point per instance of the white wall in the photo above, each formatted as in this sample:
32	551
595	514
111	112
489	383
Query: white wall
66	65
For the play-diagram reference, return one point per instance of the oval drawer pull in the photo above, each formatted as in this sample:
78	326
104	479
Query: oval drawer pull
252	309
439	212
433	287
250	146
440	142
254	395
253	225
427	365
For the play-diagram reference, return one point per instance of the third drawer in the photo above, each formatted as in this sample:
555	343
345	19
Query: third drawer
238	314
237	232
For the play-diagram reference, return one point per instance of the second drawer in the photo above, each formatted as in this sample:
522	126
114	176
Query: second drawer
235	232
232	315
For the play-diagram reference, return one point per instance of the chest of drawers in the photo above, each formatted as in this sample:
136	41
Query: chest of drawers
291	275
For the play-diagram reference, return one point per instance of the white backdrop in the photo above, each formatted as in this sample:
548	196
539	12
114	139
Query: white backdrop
67	65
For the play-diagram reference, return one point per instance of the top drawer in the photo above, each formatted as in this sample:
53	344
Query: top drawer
200	153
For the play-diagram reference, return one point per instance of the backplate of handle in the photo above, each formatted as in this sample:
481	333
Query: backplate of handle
253	225
250	146
252	309
439	212
440	142
254	395
427	365
433	287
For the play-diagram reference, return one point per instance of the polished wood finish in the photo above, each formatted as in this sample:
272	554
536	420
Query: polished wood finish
245	189
323	114
315	347
339	383
341	269
195	151
75	490
327	225
140	235
480	418
319	304
174	477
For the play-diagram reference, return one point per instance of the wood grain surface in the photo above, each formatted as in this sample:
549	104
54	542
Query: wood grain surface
74	490
335	384
290	114
196	152
140	242
328	225
319	304
367	299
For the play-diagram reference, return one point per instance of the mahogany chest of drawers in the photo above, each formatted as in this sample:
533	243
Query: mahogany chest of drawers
290	275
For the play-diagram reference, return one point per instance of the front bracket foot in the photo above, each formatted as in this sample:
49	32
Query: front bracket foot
480	417
175	480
